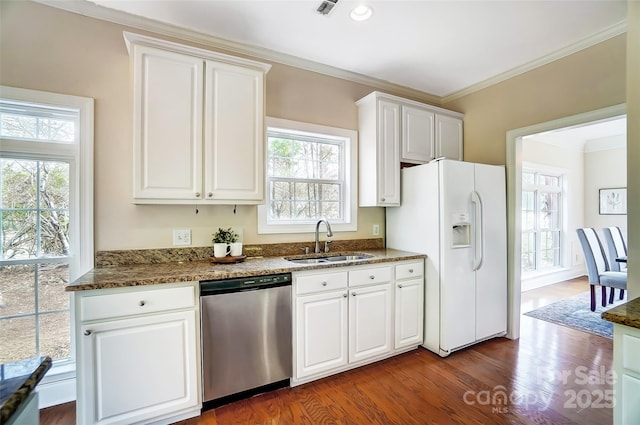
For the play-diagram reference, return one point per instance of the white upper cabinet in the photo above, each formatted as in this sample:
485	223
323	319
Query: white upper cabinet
379	150
234	132
198	125
167	117
394	130
417	138
448	137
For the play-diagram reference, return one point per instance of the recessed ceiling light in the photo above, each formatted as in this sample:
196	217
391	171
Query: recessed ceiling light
361	13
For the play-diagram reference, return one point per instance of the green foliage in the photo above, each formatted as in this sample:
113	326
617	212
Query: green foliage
225	236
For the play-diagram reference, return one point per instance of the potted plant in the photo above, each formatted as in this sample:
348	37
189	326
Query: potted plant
222	240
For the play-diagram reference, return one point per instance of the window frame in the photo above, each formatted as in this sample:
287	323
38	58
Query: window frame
79	155
348	170
536	188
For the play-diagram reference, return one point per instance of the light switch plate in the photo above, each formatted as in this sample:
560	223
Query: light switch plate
181	237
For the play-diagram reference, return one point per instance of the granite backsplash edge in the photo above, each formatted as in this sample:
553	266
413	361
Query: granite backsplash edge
169	255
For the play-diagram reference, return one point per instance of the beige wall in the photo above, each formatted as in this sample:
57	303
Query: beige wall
633	146
47	49
591	79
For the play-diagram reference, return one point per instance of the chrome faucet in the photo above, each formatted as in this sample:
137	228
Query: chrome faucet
329	234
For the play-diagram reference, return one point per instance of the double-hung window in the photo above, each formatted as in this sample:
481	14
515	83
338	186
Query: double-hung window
310	175
541	220
46	220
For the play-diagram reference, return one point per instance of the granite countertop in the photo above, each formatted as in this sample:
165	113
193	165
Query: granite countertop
170	272
17	381
625	314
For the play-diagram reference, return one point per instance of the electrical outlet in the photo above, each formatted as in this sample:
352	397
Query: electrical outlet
181	237
376	230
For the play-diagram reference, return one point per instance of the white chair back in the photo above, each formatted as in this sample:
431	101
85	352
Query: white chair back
616	246
593	254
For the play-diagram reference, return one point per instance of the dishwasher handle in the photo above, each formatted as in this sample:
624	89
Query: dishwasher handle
218	287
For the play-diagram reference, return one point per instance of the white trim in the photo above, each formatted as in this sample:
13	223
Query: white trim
514	199
604	35
351	195
59	384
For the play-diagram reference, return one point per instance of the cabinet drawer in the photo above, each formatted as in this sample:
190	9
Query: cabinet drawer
630	353
369	276
320	282
407	271
138	302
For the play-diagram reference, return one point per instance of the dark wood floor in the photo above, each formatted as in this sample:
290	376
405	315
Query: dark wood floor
542	374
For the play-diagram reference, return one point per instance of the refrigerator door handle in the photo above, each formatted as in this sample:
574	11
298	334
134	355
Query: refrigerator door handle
478	245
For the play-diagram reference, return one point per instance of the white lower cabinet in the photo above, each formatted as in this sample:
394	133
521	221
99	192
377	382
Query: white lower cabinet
321	332
138	360
409	295
370	322
626	360
351	317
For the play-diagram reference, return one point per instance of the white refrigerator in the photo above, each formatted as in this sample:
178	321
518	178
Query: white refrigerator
455	213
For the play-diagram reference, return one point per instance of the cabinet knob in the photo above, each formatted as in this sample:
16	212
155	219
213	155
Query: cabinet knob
372	277
383	199
197	194
344	296
324	283
141	303
87	332
399	285
210	194
410	270
353	294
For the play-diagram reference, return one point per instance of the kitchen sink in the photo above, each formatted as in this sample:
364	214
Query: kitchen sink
334	258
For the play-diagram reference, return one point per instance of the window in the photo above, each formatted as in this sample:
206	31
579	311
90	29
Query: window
541	220
46	220
310	174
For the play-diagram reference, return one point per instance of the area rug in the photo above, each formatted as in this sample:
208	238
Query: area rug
575	312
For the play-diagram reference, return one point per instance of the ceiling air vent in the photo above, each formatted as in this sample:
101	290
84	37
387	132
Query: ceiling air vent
326	6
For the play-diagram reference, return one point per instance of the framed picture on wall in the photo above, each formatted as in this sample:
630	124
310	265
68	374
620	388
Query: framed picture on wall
613	201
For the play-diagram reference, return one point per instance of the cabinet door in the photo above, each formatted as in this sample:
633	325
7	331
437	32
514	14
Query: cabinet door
417	135
409	296
388	172
137	369
234	133
448	137
167	122
321	333
370	319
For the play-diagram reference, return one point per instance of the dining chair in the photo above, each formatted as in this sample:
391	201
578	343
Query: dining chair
617	247
598	268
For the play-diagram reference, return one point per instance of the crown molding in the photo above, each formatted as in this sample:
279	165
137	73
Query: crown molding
606	34
92	10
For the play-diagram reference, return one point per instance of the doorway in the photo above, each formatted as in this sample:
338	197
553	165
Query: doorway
514	140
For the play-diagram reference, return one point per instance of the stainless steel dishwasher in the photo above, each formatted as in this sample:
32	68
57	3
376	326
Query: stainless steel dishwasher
246	337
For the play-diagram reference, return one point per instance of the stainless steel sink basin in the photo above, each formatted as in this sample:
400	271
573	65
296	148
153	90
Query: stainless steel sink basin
334	258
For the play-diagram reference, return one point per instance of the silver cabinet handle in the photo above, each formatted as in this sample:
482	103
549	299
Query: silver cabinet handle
353	294
399	285
210	194
197	194
382	199
410	270
372	277
344	296
324	283
141	303
87	332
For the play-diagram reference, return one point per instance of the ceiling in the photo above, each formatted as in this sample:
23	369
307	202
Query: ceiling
436	47
610	133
